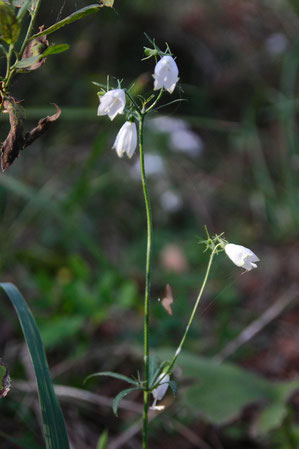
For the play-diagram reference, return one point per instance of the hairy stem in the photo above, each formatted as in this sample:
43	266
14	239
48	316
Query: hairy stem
147	286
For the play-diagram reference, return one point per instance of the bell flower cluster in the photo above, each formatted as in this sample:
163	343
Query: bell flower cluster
113	102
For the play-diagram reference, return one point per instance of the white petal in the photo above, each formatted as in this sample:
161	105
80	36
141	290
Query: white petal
160	391
166	74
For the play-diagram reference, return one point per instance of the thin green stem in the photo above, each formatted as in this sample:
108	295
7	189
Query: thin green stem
203	285
155	102
11	69
147	286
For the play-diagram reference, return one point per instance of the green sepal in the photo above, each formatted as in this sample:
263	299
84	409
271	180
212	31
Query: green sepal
174	387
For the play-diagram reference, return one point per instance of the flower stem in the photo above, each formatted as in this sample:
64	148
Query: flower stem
147	286
214	251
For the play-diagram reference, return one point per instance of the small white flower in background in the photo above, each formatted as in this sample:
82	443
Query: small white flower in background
112	103
160	391
241	256
166	74
126	140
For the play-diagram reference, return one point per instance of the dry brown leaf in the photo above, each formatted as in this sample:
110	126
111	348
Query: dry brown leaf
168	299
16	140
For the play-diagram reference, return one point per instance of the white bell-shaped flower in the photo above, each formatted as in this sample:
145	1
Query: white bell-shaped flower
161	389
241	256
112	103
126	140
166	74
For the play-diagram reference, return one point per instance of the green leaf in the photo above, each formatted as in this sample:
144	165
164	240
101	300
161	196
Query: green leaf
53	421
55	49
153	369
120	396
77	15
270	418
174	387
21	3
103	440
24	6
27	62
111	374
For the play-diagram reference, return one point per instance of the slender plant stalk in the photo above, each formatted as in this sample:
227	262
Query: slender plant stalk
147	286
11	69
203	285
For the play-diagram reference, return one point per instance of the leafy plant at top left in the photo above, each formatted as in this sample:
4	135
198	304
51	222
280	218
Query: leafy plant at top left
24	57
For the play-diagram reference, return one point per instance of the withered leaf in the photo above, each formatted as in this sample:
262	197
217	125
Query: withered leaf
42	126
4	380
35	48
168	299
16	140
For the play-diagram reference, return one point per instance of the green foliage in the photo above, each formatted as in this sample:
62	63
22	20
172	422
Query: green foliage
111	374
9	25
103	440
220	392
121	396
54	427
77	15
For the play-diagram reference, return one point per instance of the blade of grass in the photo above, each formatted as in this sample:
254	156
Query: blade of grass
53	421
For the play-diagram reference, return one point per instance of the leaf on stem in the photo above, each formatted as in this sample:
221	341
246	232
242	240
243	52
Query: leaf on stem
4	380
9	25
33	56
16	139
111	374
69	19
120	396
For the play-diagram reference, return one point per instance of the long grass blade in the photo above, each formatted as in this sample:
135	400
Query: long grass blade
53	421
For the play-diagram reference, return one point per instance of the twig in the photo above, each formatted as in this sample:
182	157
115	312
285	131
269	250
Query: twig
258	325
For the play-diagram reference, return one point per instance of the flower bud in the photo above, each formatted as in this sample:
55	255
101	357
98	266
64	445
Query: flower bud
112	103
241	256
126	140
9	26
166	74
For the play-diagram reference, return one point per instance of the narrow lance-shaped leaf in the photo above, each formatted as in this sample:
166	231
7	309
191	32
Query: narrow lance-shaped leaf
111	374
120	396
54	427
69	19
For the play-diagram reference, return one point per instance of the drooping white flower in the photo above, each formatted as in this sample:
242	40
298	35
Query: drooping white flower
166	74
241	256
126	140
161	389
112	103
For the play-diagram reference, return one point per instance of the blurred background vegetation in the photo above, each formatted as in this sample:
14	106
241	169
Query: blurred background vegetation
73	225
